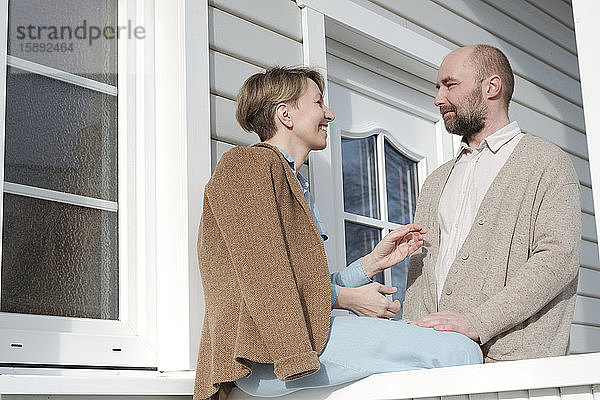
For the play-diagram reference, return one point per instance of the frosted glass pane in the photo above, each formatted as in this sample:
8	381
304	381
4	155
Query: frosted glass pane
360	240
359	175
401	184
60	136
59	259
31	29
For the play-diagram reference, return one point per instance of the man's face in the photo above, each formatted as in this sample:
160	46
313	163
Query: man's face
459	96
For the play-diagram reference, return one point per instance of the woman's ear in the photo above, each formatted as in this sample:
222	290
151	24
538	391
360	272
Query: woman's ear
283	115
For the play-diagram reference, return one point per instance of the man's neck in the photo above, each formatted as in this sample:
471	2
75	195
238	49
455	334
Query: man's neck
491	126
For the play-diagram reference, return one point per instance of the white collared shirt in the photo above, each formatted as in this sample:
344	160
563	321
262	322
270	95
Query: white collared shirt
470	179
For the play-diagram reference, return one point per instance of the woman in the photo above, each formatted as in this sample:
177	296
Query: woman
264	270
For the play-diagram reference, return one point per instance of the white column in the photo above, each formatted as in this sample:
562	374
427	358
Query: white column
322	181
585	15
182	169
198	150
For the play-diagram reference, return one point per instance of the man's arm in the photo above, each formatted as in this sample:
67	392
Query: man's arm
553	264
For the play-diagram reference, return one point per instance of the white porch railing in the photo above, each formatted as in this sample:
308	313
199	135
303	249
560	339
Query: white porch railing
559	378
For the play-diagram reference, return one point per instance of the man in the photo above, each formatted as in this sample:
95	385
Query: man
501	257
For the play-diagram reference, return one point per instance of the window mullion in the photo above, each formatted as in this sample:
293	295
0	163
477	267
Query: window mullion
63	76
382	187
61	197
362	220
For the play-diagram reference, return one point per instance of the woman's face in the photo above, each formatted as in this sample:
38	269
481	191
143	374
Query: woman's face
310	118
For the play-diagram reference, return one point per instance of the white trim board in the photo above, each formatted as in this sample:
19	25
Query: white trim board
198	124
585	15
380	28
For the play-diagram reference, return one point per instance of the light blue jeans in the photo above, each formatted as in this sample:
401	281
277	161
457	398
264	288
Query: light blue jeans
358	347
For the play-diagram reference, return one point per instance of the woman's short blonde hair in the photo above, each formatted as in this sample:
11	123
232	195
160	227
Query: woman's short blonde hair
262	92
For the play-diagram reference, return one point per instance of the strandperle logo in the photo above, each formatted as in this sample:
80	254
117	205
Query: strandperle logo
84	31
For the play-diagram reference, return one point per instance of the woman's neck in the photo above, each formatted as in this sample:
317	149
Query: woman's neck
298	153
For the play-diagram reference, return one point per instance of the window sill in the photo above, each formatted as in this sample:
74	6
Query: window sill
92	382
578	371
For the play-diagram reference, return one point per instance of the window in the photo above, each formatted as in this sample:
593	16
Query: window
60	228
63	267
379	191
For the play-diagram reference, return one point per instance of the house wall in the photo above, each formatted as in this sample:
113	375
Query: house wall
537	36
244	39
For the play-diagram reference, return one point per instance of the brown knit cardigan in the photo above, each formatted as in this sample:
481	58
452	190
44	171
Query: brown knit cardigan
264	272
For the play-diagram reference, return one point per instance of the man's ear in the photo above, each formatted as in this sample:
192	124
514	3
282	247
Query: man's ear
282	113
494	87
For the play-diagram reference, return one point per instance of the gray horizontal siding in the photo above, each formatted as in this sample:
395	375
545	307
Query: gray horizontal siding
559	10
511	31
461	31
539	22
253	43
567	138
277	16
587	200
589	255
246	37
588	230
589	282
223	124
586	311
584	339
228	74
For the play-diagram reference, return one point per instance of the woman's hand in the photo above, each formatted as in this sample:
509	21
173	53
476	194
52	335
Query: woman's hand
393	248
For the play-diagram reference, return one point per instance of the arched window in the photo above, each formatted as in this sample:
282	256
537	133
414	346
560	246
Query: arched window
380	186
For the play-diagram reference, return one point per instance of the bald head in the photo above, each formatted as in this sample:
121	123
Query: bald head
486	61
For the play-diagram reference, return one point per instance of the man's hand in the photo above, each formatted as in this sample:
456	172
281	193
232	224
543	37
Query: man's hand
448	321
368	300
393	248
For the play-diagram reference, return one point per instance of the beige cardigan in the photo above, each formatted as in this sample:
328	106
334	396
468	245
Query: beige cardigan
264	272
515	277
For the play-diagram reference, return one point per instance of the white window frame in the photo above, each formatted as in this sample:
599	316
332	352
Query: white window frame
114	343
382	223
163	132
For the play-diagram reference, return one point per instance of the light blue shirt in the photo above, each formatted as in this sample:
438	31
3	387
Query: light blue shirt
353	275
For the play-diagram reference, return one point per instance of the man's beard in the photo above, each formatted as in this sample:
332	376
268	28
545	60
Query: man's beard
469	116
